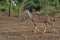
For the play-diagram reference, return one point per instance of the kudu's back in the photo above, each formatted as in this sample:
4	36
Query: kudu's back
42	18
38	18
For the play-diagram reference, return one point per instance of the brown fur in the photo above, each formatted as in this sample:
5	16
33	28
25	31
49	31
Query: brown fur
40	18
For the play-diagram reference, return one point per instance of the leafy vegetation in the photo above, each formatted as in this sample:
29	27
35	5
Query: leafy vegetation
50	10
44	6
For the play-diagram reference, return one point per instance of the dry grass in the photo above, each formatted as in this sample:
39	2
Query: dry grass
11	28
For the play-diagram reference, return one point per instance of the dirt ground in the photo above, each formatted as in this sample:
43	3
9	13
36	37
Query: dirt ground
13	28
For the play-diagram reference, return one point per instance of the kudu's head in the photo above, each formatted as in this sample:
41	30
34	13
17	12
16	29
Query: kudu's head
53	18
50	18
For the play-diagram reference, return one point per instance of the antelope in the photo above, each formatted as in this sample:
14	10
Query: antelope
39	18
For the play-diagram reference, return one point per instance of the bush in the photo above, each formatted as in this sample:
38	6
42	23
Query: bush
50	10
58	9
14	9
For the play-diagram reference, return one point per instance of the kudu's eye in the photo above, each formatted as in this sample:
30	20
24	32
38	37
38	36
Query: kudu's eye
54	20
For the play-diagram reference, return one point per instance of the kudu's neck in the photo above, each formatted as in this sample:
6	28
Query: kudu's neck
29	14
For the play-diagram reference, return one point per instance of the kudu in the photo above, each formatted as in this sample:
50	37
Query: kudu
39	18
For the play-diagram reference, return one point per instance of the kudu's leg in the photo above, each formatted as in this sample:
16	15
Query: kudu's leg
45	25
35	28
52	26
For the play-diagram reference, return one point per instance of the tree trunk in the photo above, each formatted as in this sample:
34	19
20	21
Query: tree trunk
10	7
18	10
20	7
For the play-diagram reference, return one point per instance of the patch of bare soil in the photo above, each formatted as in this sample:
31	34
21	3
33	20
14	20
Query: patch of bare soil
11	28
